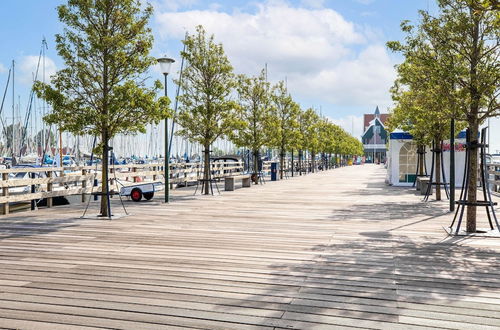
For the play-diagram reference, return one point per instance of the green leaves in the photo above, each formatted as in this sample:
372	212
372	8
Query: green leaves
310	129
451	70
254	103
101	91
283	121
434	82
105	46
272	118
206	110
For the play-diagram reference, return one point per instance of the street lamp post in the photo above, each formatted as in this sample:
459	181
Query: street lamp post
165	65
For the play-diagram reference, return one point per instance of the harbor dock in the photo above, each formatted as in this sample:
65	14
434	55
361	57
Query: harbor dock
329	250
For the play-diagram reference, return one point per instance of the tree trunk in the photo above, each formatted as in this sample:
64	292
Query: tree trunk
300	162
206	170
472	178
256	165
421	160
313	162
282	162
475	96
438	169
104	174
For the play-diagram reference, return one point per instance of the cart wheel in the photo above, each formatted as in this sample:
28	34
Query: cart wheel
149	195
136	195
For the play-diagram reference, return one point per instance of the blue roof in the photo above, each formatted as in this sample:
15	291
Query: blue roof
401	136
408	136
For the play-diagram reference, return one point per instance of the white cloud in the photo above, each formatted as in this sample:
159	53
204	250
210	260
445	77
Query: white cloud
28	67
2	68
360	81
323	55
351	124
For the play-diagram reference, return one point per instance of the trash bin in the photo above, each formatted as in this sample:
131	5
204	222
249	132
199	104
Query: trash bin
274	171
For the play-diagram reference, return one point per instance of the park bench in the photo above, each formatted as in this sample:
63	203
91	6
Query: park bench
419	180
422	183
229	181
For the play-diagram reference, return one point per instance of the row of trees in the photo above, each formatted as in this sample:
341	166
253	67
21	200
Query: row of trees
102	89
249	111
451	71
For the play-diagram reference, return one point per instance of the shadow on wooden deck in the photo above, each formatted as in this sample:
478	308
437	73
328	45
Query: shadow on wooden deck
386	281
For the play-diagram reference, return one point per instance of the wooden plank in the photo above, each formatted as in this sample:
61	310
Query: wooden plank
47	194
40	181
5	194
337	249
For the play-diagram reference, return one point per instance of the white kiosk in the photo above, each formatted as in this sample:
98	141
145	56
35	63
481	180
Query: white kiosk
402	159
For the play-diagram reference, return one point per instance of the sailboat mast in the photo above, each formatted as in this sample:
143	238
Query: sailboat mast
44	46
60	149
177	95
13	111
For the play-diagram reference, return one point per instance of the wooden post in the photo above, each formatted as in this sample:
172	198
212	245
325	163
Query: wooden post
5	193
154	175
33	189
49	188
61	174
134	169
84	185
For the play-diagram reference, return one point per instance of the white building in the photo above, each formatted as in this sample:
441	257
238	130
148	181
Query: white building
402	159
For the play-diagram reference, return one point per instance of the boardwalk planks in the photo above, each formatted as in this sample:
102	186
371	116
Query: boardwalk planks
332	250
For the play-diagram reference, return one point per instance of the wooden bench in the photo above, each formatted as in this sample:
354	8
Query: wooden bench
422	184
419	181
229	181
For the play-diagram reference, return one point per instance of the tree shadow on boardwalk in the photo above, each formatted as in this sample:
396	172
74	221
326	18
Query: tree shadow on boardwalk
380	280
31	225
387	211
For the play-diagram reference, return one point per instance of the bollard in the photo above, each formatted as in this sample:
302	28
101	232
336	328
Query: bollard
95	185
33	202
274	171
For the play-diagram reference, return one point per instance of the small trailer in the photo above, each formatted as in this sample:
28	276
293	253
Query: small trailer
139	190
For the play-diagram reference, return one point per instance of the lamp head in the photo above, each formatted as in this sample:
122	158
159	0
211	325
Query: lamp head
165	64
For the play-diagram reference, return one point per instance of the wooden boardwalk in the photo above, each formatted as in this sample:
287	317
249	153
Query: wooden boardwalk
332	250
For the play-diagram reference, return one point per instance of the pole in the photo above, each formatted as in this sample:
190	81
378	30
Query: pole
167	153
489	135
452	165
13	113
60	149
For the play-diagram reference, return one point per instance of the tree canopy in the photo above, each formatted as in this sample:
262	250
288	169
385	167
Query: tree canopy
451	70
254	101
207	111
102	89
283	121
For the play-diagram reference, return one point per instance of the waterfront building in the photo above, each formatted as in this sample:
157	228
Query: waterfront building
375	136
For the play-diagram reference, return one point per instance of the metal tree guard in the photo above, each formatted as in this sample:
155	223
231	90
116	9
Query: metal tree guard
436	153
487	202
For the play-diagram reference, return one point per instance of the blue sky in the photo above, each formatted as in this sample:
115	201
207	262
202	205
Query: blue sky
332	52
